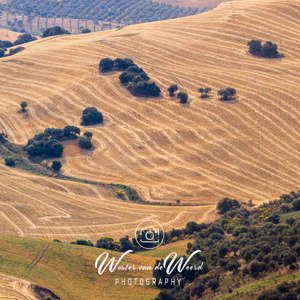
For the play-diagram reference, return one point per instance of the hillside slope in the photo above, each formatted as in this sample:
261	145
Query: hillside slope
200	153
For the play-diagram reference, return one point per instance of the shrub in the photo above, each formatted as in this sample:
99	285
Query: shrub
204	92
23	105
85	30
85	143
24	38
84	243
10	161
106	243
56	30
2	52
91	116
227	94
88	134
56	166
183	97
227	204
172	89
105	65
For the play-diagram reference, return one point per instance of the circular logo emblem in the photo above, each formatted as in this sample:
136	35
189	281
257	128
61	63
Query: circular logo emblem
149	234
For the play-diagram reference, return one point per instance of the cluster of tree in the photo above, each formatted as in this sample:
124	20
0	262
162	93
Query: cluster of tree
55	30
283	291
22	39
181	95
132	76
267	50
122	12
248	242
48	143
227	94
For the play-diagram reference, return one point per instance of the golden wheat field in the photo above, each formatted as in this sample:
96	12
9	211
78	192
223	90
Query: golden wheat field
199	153
12	288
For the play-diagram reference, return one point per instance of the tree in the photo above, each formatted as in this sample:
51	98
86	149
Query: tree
71	132
123	64
227	94
56	30
125	244
227	204
183	97
204	92
91	116
85	143
274	218
53	148
2	52
24	38
105	65
10	161
255	47
172	89
23	105
269	50
56	166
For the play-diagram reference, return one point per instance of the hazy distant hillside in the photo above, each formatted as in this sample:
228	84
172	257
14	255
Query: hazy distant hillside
125	12
193	3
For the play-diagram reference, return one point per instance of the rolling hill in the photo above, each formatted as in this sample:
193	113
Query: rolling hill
198	154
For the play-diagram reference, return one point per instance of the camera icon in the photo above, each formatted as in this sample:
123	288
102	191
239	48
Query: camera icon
149	234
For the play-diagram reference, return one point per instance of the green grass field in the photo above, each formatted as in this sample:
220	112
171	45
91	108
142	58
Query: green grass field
68	270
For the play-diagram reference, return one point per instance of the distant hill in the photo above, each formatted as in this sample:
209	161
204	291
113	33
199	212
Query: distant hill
193	3
124	12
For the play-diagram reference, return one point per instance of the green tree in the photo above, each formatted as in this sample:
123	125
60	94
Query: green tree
91	116
105	65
